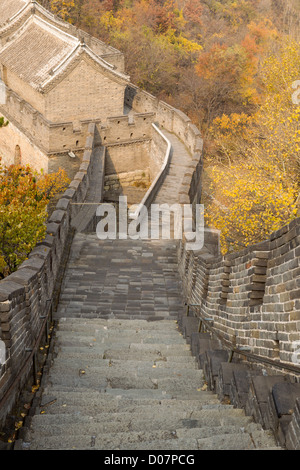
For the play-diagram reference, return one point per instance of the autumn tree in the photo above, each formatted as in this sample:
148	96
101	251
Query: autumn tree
24	196
255	176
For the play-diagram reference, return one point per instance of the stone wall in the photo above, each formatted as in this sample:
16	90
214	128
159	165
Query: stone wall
252	296
86	94
270	398
173	120
47	144
138	178
27	294
127	157
157	153
49	137
125	129
16	147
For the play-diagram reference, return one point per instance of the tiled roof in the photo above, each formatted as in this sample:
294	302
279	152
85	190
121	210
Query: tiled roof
40	53
35	51
9	8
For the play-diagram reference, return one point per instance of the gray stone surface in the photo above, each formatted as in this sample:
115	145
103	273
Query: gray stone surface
93	401
122	375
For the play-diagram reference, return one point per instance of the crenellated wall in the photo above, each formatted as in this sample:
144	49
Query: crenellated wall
45	144
252	296
27	294
175	121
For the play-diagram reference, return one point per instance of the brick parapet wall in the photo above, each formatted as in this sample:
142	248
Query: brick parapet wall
25	295
125	129
175	121
252	295
55	138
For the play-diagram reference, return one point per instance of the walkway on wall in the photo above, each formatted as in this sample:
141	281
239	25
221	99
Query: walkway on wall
168	192
122	376
94	195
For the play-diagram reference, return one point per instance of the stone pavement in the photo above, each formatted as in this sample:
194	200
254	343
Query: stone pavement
132	385
168	192
122	279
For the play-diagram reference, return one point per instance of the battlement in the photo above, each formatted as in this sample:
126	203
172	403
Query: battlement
252	295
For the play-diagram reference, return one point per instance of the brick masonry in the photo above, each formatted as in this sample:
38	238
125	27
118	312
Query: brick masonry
25	294
252	295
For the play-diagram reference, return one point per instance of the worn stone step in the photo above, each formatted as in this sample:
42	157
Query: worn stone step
86	358
164	326
116	340
90	442
123	329
127	422
92	378
58	401
131	337
218	438
226	441
130	394
93	351
231	437
128	355
205	412
134	369
128	315
90	436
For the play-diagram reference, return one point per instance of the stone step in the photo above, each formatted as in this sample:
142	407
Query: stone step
89	402
133	341
78	366
93	350
164	326
90	436
226	441
109	327
115	340
91	379
87	356
90	442
240	436
90	314
117	423
129	394
118	430
150	355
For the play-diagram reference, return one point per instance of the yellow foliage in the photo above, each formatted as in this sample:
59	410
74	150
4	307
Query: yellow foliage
256	176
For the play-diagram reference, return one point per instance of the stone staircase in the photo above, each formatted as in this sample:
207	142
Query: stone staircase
120	373
132	385
121	278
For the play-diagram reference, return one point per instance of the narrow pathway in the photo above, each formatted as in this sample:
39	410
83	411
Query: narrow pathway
168	193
